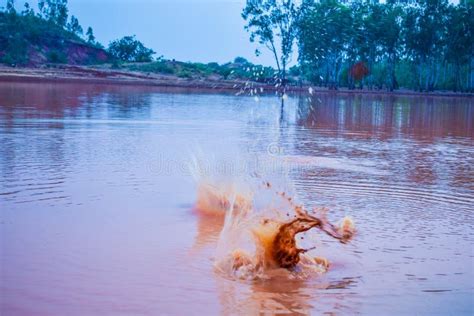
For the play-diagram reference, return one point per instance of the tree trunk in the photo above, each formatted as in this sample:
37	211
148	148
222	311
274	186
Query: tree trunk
283	77
456	77
420	77
468	77
471	74
427	79
275	55
444	74
393	79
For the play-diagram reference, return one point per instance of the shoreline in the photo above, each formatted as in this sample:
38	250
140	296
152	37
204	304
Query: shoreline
90	75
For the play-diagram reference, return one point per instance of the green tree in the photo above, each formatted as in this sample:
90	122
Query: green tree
27	11
323	32
23	33
90	35
460	43
74	27
55	11
390	32
424	39
370	23
10	8
422	45
130	49
273	24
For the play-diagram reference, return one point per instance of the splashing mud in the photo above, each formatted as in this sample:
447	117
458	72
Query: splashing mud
259	242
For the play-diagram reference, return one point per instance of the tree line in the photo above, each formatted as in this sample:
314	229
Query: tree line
423	45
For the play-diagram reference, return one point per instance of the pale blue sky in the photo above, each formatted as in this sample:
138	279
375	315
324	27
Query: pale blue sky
187	30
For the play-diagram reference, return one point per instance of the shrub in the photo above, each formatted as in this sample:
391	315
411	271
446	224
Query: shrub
56	57
130	50
16	52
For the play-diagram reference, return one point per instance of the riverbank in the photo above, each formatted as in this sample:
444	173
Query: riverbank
94	75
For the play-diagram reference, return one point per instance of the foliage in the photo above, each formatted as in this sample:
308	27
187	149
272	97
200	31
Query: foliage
323	29
46	33
55	11
129	49
90	35
74	26
269	20
16	50
57	57
239	69
424	45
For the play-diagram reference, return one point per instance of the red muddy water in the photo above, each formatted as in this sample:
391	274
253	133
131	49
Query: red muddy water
98	194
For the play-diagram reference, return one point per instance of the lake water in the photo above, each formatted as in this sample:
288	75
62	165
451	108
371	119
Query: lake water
97	200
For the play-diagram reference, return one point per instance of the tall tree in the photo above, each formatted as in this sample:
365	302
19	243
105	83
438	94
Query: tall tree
460	42
409	43
424	39
390	39
27	11
55	11
90	35
273	23
10	8
324	29
74	26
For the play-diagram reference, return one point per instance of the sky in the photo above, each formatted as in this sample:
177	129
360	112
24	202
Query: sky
186	30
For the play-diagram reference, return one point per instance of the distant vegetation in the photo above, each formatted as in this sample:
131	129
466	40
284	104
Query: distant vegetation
423	45
131	50
240	68
49	36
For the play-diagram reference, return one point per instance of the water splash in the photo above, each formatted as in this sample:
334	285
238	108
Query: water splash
258	237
